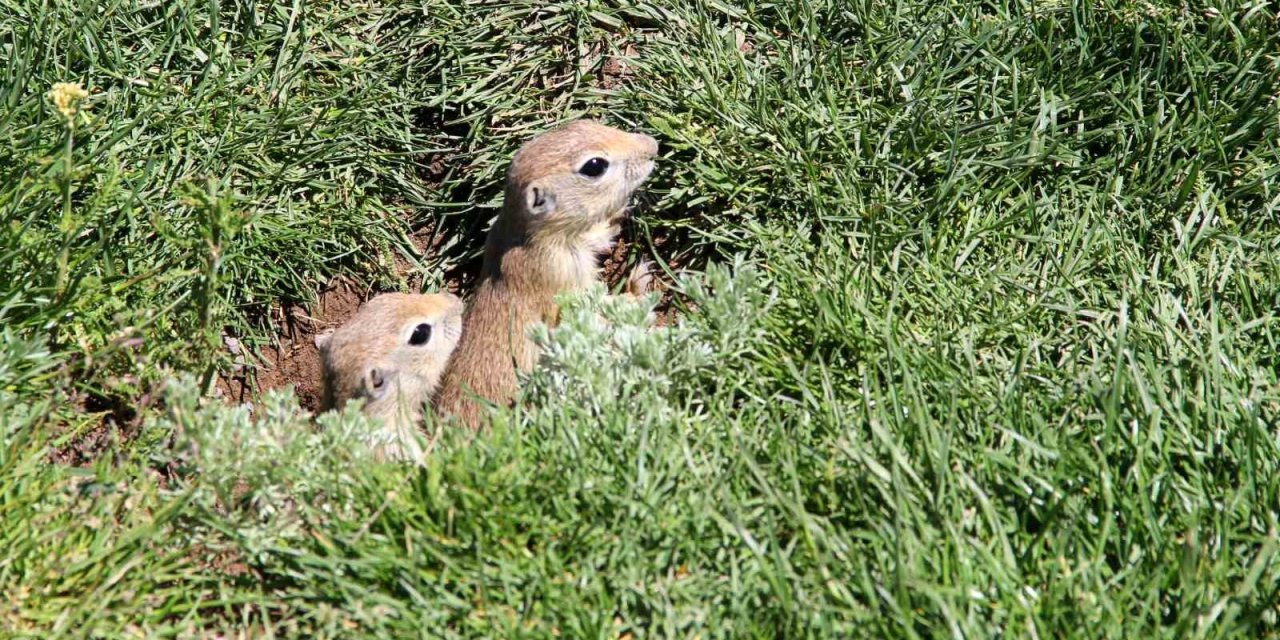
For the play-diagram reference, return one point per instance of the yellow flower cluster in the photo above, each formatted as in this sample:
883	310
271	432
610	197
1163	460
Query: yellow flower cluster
66	96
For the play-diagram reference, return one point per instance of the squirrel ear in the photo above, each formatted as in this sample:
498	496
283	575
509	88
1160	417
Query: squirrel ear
322	339
539	200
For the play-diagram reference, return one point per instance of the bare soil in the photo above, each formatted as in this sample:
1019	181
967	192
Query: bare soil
294	359
118	423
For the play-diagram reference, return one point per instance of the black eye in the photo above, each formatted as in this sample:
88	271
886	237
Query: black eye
594	168
421	334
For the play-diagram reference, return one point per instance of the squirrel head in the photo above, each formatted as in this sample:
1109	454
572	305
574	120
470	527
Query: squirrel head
392	354
563	182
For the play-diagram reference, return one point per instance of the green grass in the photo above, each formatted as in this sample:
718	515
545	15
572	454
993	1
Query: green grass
979	337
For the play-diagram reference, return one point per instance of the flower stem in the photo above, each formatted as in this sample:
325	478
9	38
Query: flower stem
67	223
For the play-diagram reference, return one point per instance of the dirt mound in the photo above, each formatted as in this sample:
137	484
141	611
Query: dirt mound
118	422
616	268
294	359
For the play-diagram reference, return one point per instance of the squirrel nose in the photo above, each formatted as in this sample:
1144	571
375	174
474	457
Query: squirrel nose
648	144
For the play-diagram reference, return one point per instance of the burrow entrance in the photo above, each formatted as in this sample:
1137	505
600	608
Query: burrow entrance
294	359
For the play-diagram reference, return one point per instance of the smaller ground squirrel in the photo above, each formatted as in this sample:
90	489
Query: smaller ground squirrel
392	354
566	194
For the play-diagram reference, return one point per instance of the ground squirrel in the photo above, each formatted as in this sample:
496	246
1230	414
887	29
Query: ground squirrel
392	354
567	191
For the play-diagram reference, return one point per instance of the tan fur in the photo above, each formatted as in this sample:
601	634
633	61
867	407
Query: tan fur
378	337
533	255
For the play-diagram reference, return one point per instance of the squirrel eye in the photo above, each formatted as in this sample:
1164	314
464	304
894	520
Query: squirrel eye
421	334
594	168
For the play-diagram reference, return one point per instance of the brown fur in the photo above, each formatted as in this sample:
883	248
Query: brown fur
534	253
377	337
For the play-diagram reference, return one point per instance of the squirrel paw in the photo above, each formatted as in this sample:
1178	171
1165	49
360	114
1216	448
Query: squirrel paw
641	279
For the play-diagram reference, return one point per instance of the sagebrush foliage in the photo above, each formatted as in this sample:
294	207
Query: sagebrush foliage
268	473
608	357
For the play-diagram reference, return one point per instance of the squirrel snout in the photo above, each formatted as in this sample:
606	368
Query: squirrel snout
648	145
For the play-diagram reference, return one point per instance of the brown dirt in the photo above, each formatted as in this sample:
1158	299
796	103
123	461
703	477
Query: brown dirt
112	409
294	358
617	69
613	269
227	562
666	309
118	423
616	269
426	243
